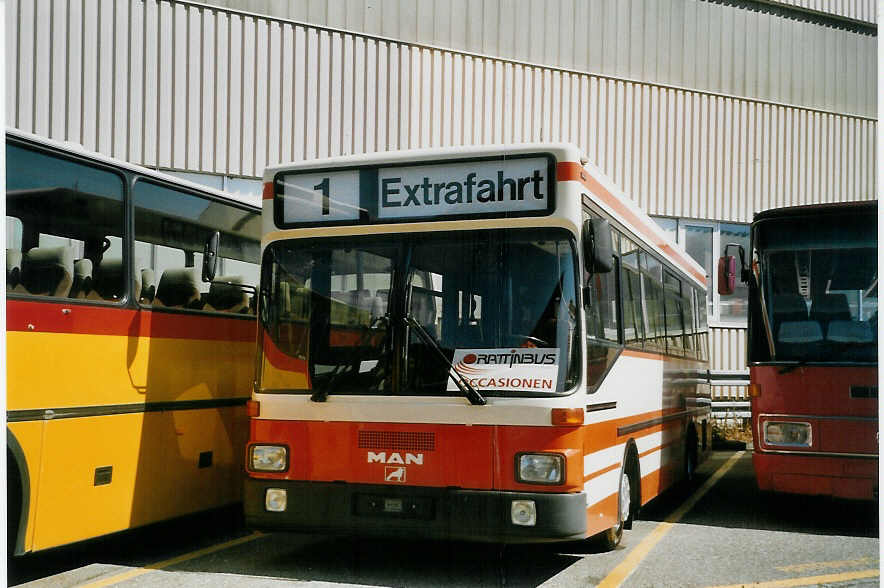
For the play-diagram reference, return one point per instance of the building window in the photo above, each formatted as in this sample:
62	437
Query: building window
245	188
733	308
705	241
669	226
698	244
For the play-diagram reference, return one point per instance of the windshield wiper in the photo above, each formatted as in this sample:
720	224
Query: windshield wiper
467	389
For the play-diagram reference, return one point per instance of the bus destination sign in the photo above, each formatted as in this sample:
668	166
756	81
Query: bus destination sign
490	187
481	187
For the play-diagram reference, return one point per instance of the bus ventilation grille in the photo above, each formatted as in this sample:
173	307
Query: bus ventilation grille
401	440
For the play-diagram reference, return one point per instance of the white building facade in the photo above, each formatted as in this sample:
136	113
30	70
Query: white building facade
704	111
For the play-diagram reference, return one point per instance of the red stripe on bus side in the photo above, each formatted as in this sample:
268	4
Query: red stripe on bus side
570	171
281	360
58	317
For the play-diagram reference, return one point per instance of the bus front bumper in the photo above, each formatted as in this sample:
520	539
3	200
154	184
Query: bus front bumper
413	512
841	477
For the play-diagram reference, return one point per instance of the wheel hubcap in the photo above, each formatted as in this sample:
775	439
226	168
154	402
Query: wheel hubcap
625	497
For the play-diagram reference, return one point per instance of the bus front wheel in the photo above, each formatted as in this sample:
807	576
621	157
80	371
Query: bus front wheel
611	538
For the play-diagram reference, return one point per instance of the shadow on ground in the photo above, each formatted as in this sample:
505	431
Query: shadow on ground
736	502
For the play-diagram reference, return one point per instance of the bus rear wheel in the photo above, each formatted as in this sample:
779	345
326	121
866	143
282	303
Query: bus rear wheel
691	456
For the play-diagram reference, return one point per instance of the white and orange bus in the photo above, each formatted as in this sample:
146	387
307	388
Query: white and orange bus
127	374
813	347
480	343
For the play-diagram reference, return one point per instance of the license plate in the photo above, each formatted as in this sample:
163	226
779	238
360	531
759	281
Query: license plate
409	507
393	505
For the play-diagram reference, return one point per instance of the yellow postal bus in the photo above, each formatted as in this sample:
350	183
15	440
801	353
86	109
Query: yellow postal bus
127	373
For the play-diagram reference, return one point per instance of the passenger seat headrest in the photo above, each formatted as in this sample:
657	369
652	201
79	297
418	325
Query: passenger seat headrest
225	294
82	278
178	287
789	307
108	280
148	286
13	268
48	271
828	307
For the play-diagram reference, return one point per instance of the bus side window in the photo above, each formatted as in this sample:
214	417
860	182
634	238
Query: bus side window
600	310
171	229
652	298
601	302
673	309
65	219
687	310
633	315
702	340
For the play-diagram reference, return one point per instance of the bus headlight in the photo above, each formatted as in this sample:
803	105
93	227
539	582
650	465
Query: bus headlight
540	468
269	458
789	434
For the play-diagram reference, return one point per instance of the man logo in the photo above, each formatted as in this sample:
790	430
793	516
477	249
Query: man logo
393	474
396	458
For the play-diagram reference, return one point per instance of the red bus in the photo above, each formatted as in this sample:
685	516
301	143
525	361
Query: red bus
813	348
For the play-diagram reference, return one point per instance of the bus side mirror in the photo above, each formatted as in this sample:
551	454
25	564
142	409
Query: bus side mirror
727	274
210	257
598	248
727	270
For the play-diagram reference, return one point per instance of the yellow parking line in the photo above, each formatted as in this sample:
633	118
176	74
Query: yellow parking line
819	566
809	581
619	574
171	562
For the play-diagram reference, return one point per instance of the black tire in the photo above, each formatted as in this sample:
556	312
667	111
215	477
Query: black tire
13	502
691	456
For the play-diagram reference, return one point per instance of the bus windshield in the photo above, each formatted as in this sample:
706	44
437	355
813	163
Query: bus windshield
820	281
499	304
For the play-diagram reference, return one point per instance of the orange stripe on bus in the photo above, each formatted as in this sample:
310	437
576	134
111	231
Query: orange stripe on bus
570	171
601	472
613	467
267	192
642	354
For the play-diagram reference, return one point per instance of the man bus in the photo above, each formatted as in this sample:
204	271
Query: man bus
481	343
813	348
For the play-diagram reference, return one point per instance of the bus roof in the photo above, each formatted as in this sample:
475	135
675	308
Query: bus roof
562	152
77	149
572	164
632	218
854	207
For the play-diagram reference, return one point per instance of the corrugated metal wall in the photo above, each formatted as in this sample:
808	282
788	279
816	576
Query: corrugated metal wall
861	10
177	86
728	352
762	50
184	87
